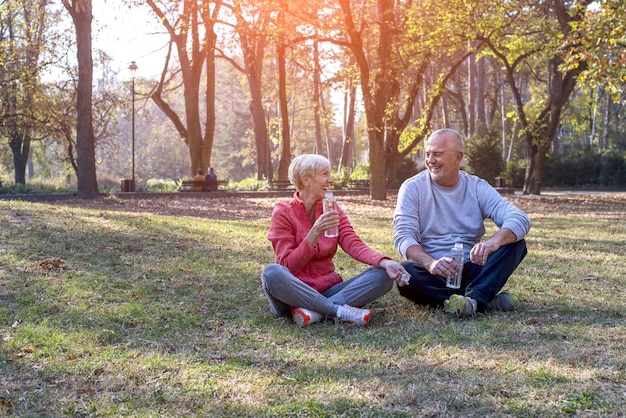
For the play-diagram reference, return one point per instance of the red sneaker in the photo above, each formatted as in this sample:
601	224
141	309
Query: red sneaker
303	317
360	317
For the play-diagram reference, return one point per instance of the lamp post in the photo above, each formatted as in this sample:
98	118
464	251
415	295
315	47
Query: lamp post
133	68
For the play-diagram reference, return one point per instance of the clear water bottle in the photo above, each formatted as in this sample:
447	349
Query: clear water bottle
458	254
330	204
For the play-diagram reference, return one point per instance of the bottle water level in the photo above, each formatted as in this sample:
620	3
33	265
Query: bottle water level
458	254
329	204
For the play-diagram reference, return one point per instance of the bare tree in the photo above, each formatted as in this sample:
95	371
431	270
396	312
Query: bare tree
194	48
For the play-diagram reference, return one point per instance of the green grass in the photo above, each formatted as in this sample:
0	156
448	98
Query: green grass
112	313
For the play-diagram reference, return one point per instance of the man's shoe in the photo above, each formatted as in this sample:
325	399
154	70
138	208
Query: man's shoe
460	306
303	317
502	302
360	317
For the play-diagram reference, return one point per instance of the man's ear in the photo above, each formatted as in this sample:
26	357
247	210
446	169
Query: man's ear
459	156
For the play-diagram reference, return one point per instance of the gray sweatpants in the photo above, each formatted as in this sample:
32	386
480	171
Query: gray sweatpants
284	291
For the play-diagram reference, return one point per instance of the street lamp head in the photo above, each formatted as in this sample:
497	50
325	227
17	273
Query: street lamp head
133	68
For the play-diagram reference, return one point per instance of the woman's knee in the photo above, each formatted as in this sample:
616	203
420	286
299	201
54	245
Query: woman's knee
271	270
274	273
383	279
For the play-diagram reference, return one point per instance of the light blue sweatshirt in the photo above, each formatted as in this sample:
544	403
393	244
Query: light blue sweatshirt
436	217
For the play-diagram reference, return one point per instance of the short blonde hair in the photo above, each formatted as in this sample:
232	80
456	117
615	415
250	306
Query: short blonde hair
306	165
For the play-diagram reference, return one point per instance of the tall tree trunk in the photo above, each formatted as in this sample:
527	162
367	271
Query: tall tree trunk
348	148
319	149
81	13
481	93
285	143
595	94
325	125
604	143
471	92
503	119
445	111
211	40
252	41
20	146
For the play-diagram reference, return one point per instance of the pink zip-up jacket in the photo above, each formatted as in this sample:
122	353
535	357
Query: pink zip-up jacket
289	227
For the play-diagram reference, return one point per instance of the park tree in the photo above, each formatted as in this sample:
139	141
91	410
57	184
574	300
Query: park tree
527	38
191	27
599	40
250	21
303	58
394	46
60	96
23	27
81	13
282	45
348	149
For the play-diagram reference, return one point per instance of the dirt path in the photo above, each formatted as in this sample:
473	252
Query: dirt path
611	205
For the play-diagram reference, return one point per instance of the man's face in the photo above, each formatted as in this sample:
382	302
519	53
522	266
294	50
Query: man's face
443	160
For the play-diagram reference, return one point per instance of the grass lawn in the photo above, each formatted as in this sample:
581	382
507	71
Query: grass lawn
154	308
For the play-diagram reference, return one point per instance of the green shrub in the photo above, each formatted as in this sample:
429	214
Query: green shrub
161	185
513	173
612	169
249	184
360	172
483	156
407	169
585	167
341	177
33	188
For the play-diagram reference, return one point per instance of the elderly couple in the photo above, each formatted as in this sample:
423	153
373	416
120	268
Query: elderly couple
435	209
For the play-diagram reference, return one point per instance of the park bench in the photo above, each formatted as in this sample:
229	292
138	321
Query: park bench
279	184
359	184
200	185
501	186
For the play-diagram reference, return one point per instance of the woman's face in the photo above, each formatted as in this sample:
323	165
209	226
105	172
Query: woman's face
317	185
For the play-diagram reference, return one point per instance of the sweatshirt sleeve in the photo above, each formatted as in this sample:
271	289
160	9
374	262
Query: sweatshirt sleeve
406	222
504	213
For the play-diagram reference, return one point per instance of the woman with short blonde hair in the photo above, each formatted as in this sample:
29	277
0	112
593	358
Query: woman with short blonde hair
303	281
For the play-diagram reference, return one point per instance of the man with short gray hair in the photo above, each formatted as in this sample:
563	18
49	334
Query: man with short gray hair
442	206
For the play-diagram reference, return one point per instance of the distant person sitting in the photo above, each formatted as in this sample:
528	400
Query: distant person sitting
211	178
197	177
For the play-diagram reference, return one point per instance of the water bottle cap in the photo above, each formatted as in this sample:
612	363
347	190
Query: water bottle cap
328	194
458	245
